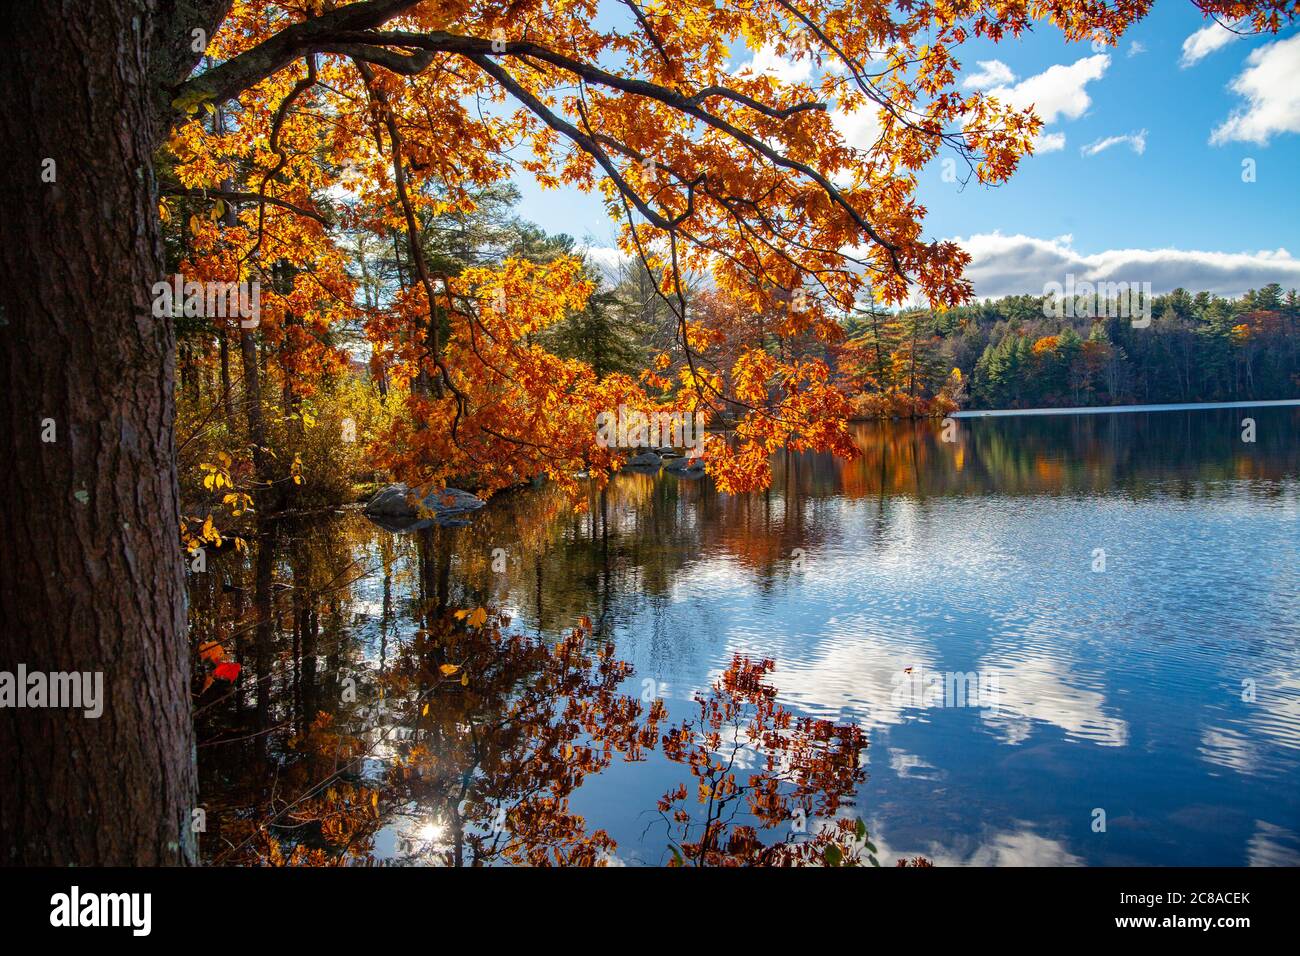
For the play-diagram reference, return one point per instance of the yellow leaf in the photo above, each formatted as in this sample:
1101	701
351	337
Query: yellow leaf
478	618
448	669
460	615
464	680
190	100
425	712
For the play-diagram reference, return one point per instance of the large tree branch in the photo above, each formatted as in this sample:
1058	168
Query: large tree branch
478	50
231	78
179	26
346	31
577	136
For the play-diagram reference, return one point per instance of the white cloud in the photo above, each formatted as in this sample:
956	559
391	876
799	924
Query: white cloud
1049	143
1272	95
860	129
992	73
770	63
1205	41
1136	141
605	258
1225	747
1014	265
1060	90
1136	47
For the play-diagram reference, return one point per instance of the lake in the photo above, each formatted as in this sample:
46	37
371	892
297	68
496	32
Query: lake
1067	640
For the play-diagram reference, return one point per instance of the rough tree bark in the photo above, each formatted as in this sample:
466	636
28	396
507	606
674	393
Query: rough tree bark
91	576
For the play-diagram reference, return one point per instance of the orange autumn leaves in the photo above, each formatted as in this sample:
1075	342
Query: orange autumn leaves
510	409
800	772
498	757
712	169
493	762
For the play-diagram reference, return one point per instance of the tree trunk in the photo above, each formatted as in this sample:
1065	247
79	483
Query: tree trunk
264	492
91	573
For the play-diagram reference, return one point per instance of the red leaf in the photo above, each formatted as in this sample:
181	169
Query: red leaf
228	670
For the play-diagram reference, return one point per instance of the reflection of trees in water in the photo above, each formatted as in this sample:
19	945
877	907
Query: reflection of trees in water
466	740
329	617
484	733
490	763
758	771
266	739
1065	454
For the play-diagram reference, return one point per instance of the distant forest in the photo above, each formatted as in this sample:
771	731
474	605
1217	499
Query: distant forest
1007	353
1004	353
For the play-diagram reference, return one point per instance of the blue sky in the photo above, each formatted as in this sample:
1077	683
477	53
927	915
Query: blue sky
1181	191
1158	199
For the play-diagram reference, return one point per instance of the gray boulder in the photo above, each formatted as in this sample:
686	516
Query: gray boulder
396	507
646	459
391	502
688	467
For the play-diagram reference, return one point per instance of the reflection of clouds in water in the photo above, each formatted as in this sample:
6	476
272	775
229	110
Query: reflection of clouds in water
910	765
852	675
1272	718
1273	845
709	576
1276	711
1036	687
1002	848
1225	747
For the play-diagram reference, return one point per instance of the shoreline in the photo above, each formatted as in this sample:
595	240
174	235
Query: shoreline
1106	409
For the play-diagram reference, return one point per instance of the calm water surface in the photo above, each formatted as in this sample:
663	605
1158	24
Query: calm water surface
1163	690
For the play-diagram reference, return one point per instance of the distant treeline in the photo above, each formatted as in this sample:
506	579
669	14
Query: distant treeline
1012	353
